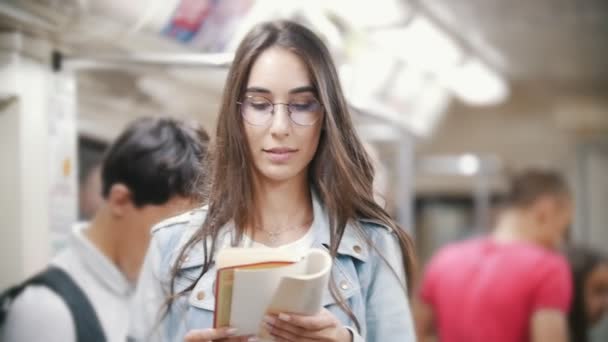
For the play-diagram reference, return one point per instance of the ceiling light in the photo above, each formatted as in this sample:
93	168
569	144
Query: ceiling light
475	84
421	45
468	164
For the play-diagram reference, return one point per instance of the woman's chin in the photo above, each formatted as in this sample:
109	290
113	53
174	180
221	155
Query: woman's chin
280	174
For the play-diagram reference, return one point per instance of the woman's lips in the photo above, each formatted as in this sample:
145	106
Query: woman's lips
279	154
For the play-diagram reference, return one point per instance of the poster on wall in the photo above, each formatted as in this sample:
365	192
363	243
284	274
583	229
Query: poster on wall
62	134
187	19
207	25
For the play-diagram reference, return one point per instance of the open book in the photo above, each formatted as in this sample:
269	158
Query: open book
252	282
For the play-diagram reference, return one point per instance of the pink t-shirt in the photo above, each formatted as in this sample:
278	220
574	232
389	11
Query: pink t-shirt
481	290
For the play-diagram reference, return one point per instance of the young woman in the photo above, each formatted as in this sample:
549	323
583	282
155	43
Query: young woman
287	171
590	279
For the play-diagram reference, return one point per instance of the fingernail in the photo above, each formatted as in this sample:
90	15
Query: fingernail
231	331
284	317
269	319
252	339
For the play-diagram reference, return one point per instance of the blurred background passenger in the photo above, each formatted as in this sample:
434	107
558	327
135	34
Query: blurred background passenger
512	285
148	174
590	301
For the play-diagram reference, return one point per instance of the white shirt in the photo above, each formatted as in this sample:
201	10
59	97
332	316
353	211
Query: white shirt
38	314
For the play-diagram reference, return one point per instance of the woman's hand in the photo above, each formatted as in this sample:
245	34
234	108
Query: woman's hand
208	335
323	326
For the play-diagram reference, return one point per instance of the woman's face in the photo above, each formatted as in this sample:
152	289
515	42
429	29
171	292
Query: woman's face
281	144
596	293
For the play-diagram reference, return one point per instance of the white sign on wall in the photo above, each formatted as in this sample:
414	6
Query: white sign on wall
63	186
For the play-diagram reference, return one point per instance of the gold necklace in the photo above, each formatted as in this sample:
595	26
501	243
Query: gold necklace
273	235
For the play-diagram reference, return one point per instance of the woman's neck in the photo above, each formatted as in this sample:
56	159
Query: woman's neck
283	207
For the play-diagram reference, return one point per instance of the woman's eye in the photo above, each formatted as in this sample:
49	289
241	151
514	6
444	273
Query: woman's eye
303	106
259	105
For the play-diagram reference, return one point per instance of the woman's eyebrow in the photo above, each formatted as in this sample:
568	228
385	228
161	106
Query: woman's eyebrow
257	90
303	89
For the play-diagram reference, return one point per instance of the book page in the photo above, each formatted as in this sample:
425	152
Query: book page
302	294
224	288
231	257
252	292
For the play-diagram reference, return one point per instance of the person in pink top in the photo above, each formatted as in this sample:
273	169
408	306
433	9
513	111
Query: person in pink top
510	286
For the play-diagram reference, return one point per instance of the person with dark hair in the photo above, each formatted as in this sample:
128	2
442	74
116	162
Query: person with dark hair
148	174
590	277
287	170
510	286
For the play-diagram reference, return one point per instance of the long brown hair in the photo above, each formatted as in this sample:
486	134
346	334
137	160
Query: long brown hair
583	261
340	172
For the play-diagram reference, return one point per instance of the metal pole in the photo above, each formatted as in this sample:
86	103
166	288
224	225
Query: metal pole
404	196
481	200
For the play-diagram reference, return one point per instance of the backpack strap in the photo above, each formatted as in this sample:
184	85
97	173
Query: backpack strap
88	328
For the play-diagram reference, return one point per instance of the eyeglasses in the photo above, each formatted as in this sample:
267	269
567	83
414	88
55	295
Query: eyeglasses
258	110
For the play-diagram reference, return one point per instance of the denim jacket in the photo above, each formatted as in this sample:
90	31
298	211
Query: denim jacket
374	291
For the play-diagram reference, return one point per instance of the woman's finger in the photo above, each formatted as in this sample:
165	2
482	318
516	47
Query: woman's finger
283	329
204	335
283	335
318	322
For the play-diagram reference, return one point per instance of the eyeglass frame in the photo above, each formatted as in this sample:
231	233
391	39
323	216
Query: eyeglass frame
272	111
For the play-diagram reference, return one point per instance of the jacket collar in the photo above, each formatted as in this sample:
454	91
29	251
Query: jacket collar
352	244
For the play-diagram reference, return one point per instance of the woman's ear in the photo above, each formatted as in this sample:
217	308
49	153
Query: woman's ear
119	199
